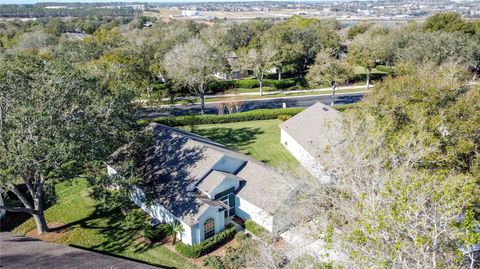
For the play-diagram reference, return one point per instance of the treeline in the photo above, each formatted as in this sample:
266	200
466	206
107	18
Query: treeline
306	51
84	10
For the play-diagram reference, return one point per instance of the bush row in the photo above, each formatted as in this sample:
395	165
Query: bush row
206	246
258	114
224	85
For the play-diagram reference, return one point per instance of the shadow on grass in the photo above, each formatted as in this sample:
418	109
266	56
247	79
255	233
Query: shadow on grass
233	138
120	232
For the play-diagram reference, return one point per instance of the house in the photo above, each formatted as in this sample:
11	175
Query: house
308	134
203	185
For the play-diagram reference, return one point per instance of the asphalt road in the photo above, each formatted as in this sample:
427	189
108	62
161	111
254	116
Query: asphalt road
300	101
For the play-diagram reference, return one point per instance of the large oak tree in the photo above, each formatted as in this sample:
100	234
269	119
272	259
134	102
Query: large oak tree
54	120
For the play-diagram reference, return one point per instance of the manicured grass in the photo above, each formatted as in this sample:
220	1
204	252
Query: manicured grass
88	227
358	70
259	139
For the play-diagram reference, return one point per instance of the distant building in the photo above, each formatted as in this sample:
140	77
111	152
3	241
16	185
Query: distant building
190	13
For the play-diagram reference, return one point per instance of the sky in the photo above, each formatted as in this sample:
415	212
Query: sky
90	1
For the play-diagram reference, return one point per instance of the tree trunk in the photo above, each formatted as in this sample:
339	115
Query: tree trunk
369	71
279	71
261	87
202	104
174	238
42	226
334	87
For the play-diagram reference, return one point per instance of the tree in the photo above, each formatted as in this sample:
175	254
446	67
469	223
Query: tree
448	22
368	50
192	65
328	71
54	120
173	229
358	29
404	171
259	61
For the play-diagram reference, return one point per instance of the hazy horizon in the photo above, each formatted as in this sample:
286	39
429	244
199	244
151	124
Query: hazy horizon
155	1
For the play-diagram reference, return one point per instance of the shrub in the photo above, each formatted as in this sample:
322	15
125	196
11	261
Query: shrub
283	117
254	228
154	234
258	114
214	262
247	83
206	246
221	85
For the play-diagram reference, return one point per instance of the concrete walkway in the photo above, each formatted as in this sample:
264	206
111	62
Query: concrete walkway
23	252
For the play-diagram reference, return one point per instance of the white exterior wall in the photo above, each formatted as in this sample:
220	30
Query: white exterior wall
164	216
224	185
247	210
305	158
199	232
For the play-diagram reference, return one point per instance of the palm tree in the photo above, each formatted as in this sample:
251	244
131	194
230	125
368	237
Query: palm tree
174	228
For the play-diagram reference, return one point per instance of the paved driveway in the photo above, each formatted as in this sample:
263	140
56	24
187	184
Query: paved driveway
23	252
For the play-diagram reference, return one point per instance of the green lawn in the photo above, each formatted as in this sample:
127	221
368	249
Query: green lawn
259	139
358	70
88	227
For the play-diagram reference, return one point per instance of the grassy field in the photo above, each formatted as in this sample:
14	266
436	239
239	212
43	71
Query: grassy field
258	139
85	225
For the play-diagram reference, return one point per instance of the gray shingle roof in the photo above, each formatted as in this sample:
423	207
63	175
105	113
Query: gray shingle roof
178	159
215	178
314	127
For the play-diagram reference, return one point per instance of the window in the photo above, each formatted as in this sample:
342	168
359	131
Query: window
209	228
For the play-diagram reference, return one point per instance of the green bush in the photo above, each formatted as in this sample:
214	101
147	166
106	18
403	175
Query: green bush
214	262
206	246
153	234
220	86
254	228
247	83
258	114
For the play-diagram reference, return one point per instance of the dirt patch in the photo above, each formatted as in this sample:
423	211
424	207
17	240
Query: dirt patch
50	236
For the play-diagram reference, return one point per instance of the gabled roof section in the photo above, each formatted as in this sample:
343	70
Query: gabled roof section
314	128
215	179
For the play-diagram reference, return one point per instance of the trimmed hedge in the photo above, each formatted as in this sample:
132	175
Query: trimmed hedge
277	84
206	246
258	114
